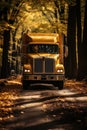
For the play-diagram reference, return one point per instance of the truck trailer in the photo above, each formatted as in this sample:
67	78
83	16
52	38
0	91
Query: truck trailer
43	59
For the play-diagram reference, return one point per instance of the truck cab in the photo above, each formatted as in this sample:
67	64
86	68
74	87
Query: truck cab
42	59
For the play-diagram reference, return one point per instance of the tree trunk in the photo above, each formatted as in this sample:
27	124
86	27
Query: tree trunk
5	63
82	73
71	42
79	34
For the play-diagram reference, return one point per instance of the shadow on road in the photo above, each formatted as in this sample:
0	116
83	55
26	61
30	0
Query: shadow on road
44	107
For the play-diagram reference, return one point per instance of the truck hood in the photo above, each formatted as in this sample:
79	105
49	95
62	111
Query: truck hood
55	56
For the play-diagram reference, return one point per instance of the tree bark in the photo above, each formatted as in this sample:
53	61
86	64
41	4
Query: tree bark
82	73
5	63
71	42
79	34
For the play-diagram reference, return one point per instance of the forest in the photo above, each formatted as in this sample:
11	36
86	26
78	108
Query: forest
48	16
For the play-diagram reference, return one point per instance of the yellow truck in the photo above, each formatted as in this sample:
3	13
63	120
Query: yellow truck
42	59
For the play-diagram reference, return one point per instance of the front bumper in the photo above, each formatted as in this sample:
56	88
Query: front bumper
43	77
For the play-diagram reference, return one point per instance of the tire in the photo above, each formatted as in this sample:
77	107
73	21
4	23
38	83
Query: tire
59	84
25	84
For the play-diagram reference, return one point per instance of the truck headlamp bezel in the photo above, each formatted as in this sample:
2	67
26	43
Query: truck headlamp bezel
27	70
60	71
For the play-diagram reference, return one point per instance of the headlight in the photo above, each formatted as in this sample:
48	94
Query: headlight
59	70
26	70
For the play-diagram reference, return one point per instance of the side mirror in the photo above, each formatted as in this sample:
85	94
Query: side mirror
65	51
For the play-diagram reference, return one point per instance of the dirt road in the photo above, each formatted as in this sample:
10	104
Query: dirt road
43	107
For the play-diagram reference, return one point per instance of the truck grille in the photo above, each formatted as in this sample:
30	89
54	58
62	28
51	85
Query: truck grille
43	65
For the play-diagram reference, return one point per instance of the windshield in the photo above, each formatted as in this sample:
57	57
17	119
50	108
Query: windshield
43	48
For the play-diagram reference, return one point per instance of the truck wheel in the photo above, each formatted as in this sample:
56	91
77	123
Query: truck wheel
25	85
60	85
